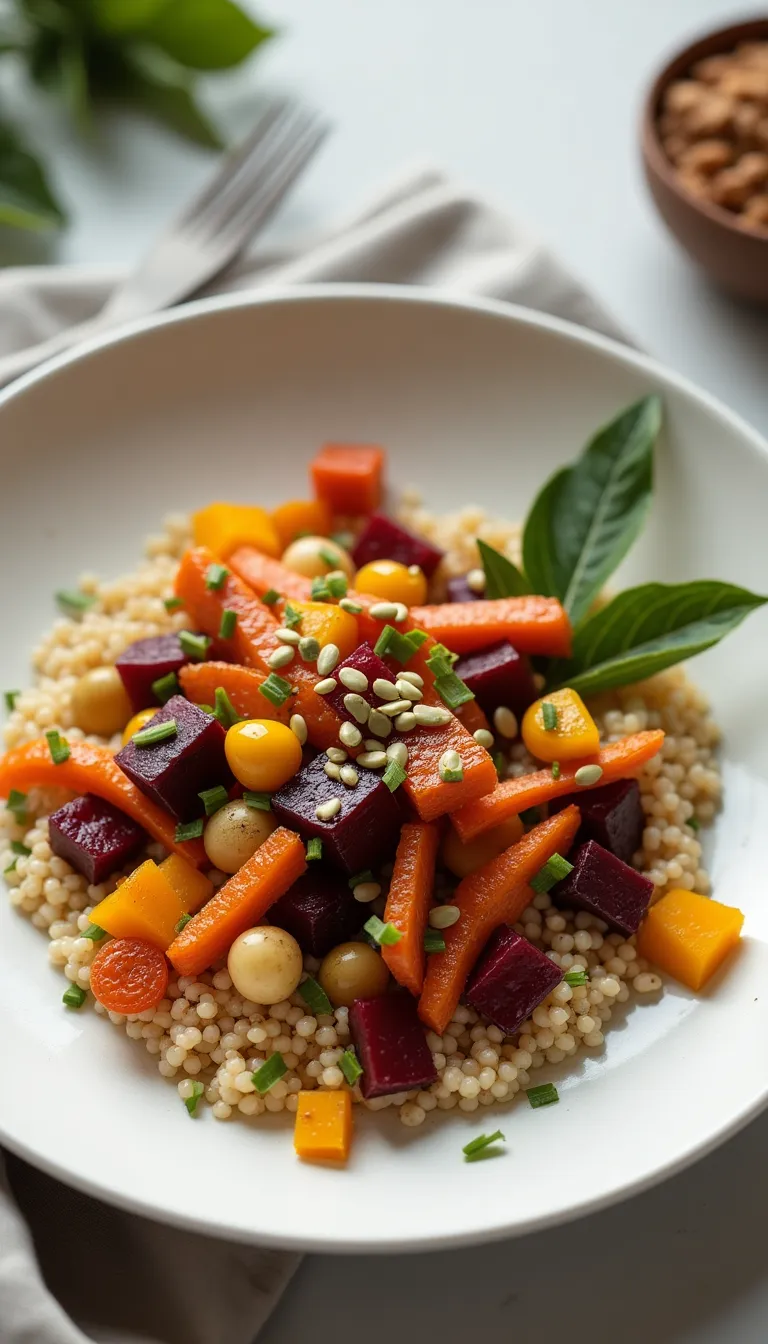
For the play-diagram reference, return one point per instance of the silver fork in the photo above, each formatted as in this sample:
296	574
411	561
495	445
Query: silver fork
212	231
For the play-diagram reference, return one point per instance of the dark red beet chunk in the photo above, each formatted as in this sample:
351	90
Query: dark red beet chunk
95	837
391	1045
364	660
319	911
511	979
458	590
499	676
613	816
362	833
384	539
606	887
172	773
146	661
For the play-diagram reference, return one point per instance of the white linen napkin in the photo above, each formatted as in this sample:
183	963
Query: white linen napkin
73	1269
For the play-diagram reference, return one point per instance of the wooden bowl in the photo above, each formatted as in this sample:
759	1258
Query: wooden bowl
734	257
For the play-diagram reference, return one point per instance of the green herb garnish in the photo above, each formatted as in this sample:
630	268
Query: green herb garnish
213	799
328	557
224	710
576	979
270	1072
319	592
216	576
392	644
183	922
191	1101
276	689
74	996
172	603
394	776
58	746
195	646
189	830
261	801
11	868
350	1066
359	878
502	578
10	698
555	769
554	870
73	603
386	935
94	933
228	623
478	1148
549	716
453	691
337	585
270	597
499	760
292	618
693	822
544	1095
17	804
22	851
314	848
315	997
156	732
166	687
433	940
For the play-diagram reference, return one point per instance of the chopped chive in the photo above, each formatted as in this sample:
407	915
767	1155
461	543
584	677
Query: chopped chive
166	687
350	1066
453	691
554	870
359	878
58	746
189	830
270	597
213	799
694	823
191	1101
314	848
216	576
478	1147
386	935
207	709
576	978
319	592
21	850
270	1072
74	996
276	689
74	603
17	804
315	996
156	732
555	769
439	665
11	867
172	603
542	1096
195	646
500	762
344	539
182	924
394	776
329	557
337	585
261	801
228	623
391	644
291	617
549	715
433	940
224	710
94	933
418	637
10	698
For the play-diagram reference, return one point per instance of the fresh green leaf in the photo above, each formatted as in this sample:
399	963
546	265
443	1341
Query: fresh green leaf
160	90
646	629
205	34
538	554
26	198
121	18
502	578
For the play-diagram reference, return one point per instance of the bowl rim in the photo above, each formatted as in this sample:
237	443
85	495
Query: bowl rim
652	149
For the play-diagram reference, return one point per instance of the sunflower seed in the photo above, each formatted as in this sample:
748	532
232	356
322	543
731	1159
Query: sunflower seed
413	677
385	690
372	760
281	657
431	716
350	735
397	751
327	659
586	775
325	686
405	722
332	770
353	679
476	581
505	722
372	744
401	612
349	776
383	611
366	891
327	811
336	754
379	723
407	690
397	707
443	916
483	738
357	707
298	726
288	636
353	608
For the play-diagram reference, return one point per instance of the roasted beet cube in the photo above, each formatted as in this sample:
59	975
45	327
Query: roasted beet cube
384	539
319	911
95	837
362	832
147	661
511	979
173	772
362	659
391	1045
606	887
499	676
613	816
458	590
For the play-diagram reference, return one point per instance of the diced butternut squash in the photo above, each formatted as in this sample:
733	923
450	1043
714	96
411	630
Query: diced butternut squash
559	727
298	516
144	906
348	477
328	625
192	887
689	936
323	1130
223	527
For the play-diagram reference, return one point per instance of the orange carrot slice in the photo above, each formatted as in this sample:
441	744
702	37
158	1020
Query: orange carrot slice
200	682
619	760
495	894
92	769
240	903
263	574
348	477
129	975
532	624
409	901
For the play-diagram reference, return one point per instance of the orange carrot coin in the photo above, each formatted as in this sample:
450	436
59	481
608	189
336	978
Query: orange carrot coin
129	975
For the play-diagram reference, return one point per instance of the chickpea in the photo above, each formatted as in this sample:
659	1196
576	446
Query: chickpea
265	964
311	556
234	833
352	971
99	702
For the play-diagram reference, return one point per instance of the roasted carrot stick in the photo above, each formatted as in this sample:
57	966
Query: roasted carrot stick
92	769
532	624
263	574
408	903
495	894
200	682
241	902
619	760
129	975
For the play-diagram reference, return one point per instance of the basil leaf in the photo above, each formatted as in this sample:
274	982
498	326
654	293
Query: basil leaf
646	629
122	17
26	199
502	578
588	516
167	95
205	34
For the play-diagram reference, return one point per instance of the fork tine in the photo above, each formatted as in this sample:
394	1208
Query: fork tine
254	207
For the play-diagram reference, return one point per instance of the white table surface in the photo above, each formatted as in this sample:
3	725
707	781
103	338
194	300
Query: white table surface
534	102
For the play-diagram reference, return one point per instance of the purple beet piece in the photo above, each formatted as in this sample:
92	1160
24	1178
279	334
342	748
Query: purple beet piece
146	661
364	660
319	911
612	815
499	676
511	978
173	772
606	887
458	590
384	539
391	1045
95	837
362	833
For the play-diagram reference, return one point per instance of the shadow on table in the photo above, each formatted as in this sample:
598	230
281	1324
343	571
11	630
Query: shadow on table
666	1266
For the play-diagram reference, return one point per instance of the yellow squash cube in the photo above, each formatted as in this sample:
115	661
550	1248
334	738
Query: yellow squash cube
689	936
192	887
223	527
144	906
328	624
323	1130
559	727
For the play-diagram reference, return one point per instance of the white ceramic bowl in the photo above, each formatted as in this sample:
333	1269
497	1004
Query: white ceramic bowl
474	401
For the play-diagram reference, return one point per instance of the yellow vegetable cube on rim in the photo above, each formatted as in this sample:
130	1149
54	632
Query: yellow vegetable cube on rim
323	1131
144	906
192	887
689	936
559	727
223	527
